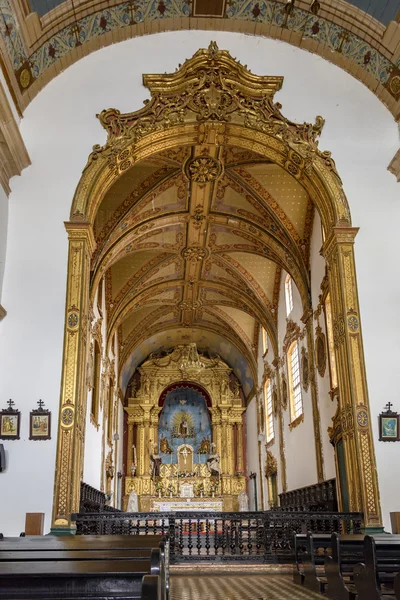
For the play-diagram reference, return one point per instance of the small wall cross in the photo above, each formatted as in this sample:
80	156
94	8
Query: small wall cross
389	406
10	404
41	404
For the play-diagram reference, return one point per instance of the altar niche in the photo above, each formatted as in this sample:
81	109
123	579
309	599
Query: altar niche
185	436
184	425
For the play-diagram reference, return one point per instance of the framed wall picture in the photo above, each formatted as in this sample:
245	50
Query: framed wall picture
389	430
10	421
40	423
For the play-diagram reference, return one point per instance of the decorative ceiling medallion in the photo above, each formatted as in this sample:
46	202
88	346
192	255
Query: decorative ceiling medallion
194	254
203	169
198	217
393	83
189	305
24	76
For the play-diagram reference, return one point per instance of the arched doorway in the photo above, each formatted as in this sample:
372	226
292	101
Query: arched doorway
208	107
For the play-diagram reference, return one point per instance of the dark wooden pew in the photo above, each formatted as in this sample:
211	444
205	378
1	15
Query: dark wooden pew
299	549
397	586
73	580
317	544
347	551
375	577
83	566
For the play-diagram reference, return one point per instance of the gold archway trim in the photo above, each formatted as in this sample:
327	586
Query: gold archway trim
213	100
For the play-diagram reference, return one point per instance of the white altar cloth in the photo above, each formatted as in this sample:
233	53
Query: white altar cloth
188	504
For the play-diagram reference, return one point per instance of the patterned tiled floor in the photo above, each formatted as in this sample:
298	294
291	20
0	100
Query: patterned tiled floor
238	587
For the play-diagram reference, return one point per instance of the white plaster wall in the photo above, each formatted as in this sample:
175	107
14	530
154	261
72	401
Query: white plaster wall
327	407
301	467
3	234
252	451
59	130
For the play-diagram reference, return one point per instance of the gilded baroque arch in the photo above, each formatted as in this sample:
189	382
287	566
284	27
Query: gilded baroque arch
213	101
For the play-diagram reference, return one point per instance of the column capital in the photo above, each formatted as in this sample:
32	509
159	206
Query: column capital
81	231
340	234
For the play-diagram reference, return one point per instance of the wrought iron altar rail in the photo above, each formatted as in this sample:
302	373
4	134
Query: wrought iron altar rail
210	536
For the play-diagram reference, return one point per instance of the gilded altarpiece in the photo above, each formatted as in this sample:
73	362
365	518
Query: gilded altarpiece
186	409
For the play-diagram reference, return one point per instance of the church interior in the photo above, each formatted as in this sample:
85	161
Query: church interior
199	299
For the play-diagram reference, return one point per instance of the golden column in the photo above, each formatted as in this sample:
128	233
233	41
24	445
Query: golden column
141	449
239	463
353	394
71	427
129	453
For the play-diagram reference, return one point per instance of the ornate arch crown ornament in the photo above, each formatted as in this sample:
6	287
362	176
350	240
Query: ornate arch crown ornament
209	100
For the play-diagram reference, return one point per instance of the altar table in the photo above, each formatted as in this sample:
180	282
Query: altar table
186	504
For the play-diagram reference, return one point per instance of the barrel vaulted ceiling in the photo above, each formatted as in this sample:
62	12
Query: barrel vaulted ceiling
41	38
194	242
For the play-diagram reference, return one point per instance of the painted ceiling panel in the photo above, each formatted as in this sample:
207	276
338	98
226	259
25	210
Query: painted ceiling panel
284	189
124	269
134	318
262	269
382	10
244	320
123	188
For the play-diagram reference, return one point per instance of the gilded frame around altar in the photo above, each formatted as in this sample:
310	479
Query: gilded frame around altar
185	369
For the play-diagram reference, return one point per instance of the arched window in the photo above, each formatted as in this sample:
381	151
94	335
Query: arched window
96	384
331	345
288	295
270	415
264	340
110	411
296	400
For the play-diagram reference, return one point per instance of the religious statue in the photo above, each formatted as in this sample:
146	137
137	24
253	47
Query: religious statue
133	502
164	446
183	428
243	502
205	446
213	462
236	389
155	462
224	387
146	385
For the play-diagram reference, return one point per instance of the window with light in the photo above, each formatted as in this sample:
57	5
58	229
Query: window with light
265	340
270	416
288	295
296	400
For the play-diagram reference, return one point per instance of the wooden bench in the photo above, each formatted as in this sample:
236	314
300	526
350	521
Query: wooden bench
299	550
375	576
78	567
317	544
347	551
